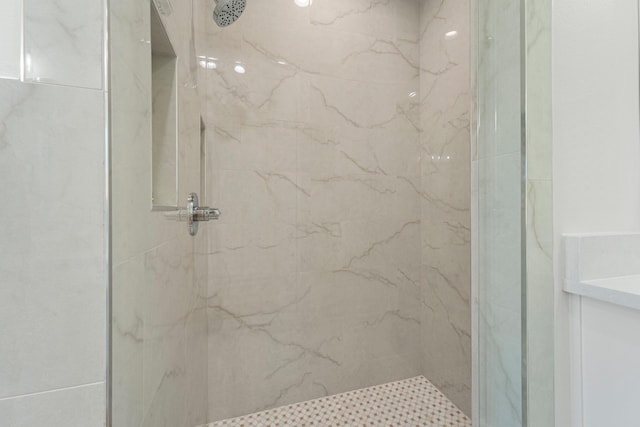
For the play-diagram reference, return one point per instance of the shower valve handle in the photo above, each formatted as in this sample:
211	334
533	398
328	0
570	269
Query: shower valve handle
194	214
206	214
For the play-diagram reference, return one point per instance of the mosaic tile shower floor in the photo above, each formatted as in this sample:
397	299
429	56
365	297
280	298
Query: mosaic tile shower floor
409	403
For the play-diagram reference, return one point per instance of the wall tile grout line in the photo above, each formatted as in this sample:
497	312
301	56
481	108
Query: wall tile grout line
53	390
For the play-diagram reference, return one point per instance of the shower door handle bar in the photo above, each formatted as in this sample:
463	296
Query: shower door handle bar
193	214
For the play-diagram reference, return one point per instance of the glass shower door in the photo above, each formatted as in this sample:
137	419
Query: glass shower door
501	319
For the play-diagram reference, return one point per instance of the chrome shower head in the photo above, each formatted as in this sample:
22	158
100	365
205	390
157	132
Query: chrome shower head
228	11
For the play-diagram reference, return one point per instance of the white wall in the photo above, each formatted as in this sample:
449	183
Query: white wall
596	148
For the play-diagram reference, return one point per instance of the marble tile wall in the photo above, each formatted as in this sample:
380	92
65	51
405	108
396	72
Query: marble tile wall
63	42
159	271
316	280
11	40
52	237
314	268
445	197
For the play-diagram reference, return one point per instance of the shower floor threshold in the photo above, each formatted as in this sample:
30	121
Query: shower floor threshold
414	402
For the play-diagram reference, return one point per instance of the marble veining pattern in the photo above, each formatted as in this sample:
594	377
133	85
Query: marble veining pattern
414	402
315	163
160	272
52	298
445	181
52	260
10	39
63	42
345	233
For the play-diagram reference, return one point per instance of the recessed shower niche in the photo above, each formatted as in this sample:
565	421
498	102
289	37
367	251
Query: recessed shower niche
164	91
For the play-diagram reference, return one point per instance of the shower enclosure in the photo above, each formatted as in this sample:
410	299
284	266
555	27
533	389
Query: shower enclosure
358	151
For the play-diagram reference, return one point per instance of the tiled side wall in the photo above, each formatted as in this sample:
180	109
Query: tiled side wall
314	269
159	273
445	198
52	232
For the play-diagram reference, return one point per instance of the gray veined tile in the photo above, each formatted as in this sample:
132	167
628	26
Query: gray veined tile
10	38
53	292
63	42
71	407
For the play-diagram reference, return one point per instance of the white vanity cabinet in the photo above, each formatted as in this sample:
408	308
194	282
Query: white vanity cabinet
602	272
